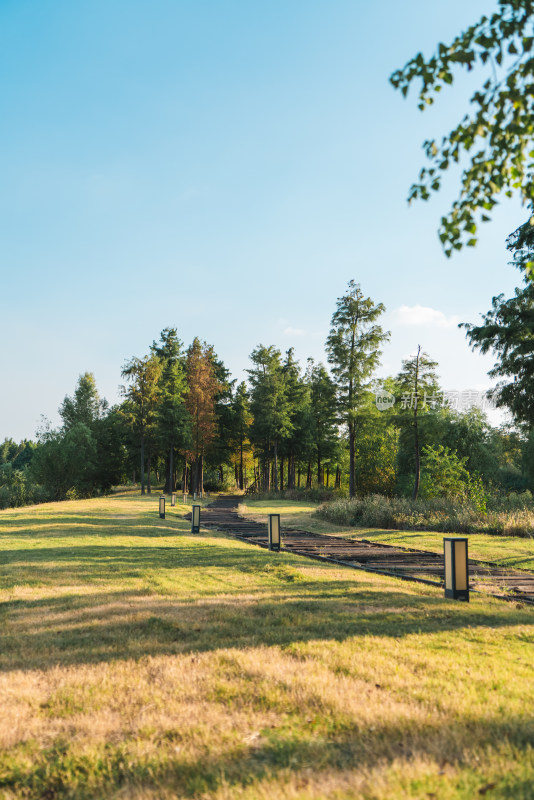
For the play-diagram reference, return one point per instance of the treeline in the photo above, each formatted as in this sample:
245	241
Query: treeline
185	424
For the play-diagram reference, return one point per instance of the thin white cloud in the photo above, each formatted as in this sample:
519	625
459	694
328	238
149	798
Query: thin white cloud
294	331
423	315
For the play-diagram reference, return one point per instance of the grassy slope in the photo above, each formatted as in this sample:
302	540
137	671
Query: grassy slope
138	661
506	550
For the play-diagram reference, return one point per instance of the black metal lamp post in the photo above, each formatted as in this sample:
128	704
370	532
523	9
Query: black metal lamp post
195	520
274	532
456	568
162	507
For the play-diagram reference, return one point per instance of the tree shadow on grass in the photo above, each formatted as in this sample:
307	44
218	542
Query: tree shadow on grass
349	751
108	626
97	564
90	523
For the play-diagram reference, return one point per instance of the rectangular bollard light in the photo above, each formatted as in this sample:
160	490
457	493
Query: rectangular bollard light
173	499
195	520
162	507
274	532
456	568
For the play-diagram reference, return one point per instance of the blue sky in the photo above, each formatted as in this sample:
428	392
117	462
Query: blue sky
225	168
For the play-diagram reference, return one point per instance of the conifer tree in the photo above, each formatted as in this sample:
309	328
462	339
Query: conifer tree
270	409
353	348
242	419
141	399
417	387
324	415
298	441
202	389
172	419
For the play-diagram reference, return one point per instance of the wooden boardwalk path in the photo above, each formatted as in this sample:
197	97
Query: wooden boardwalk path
416	565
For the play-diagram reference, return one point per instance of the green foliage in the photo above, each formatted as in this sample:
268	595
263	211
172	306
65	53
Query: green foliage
139	408
507	332
173	423
269	405
18	455
497	136
528	459
353	348
323	412
469	434
445	475
18	489
417	393
67	461
85	406
111	437
376	451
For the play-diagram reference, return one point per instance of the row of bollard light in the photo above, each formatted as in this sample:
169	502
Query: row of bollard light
454	550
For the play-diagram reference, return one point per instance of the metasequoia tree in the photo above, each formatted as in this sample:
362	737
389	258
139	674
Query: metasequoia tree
353	348
324	415
242	419
141	398
494	142
202	389
269	407
297	443
172	416
417	387
221	448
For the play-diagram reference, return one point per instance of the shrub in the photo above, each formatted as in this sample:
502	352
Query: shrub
316	495
436	514
17	488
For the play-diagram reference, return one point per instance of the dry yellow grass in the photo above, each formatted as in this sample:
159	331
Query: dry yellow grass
139	661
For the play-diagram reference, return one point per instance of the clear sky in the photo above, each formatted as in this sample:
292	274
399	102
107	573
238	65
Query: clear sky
224	167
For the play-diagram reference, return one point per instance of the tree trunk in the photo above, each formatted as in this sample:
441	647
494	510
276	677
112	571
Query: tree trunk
195	476
328	476
281	474
241	479
170	489
352	442
319	470
417	464
416	430
148	472
142	464
337	484
309	477
298	475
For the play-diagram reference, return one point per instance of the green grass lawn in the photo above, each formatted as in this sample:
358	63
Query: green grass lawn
140	661
509	551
